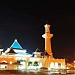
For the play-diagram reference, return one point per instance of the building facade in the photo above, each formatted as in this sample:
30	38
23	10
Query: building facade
16	57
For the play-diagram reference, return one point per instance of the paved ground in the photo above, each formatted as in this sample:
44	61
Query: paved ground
18	72
24	72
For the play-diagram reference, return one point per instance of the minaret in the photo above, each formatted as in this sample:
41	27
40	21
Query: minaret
48	37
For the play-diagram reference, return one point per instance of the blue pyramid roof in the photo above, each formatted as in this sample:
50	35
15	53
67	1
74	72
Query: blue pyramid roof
16	45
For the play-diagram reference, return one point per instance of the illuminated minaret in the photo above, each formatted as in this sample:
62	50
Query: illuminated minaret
48	37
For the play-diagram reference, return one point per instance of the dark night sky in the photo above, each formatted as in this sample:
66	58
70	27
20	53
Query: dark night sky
25	21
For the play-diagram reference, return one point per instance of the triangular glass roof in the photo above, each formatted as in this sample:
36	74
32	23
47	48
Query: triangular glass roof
16	45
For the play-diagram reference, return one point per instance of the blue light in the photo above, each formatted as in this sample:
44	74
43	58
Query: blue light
16	45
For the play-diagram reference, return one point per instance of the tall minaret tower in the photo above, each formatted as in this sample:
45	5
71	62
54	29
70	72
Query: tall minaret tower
48	37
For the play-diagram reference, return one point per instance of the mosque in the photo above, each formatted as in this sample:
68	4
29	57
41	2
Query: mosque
16	57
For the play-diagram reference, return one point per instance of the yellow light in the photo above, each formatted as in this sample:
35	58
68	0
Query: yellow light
74	61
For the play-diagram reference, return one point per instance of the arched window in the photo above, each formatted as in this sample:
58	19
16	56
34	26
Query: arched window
36	63
52	65
4	61
56	65
59	64
30	63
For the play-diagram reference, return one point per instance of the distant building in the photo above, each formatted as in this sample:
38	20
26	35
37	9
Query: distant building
16	57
